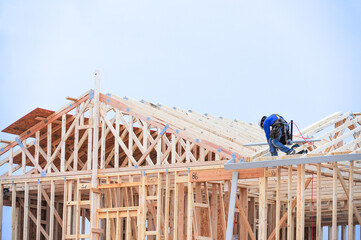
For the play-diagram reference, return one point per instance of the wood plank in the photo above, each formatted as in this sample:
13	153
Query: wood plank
278	203
351	203
318	204
38	212
290	225
244	228
1	208
180	212
13	212
221	174
52	200
262	231
300	202
334	203
167	206
93	195
159	205
26	212
189	210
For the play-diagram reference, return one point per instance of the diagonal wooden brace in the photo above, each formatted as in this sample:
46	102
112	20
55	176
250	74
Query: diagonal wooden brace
285	215
28	154
141	160
342	181
117	138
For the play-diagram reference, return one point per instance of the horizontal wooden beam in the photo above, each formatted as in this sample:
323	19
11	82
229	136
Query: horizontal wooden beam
221	174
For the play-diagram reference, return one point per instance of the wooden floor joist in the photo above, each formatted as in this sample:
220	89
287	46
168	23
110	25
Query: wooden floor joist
104	167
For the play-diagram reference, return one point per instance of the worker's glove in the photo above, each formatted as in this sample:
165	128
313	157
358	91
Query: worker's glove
289	142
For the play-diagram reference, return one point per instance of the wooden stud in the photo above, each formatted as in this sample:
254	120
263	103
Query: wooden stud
62	151
38	212
26	212
278	203
13	212
318	204
176	206
167	203
23	159
300	202
48	144
214	210
180	212
262	231
116	146
159	205
52	200
37	146
76	141
11	159
90	139
94	196
334	203
189	209
350	202
1	208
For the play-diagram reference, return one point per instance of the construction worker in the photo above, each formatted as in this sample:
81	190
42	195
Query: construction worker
277	133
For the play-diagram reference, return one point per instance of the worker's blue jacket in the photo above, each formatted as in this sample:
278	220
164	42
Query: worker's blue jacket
268	123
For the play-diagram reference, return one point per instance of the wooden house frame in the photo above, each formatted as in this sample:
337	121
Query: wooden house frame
104	167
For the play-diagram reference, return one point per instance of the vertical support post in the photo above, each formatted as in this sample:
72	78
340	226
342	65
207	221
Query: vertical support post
214	210
13	212
334	203
130	134
102	146
176	207
23	159
142	208
158	148
116	145
11	160
201	154
94	197
290	225
181	211
262	231
76	141
190	208
145	138
278	203
188	151
62	150
48	145
38	212
232	206
167	200
252	214
350	203
90	138
318	221
1	208
300	202
65	199
37	146
159	205
173	154
26	212
51	222
243	210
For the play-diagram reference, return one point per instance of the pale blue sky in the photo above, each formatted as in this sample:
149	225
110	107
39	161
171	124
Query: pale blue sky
237	59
